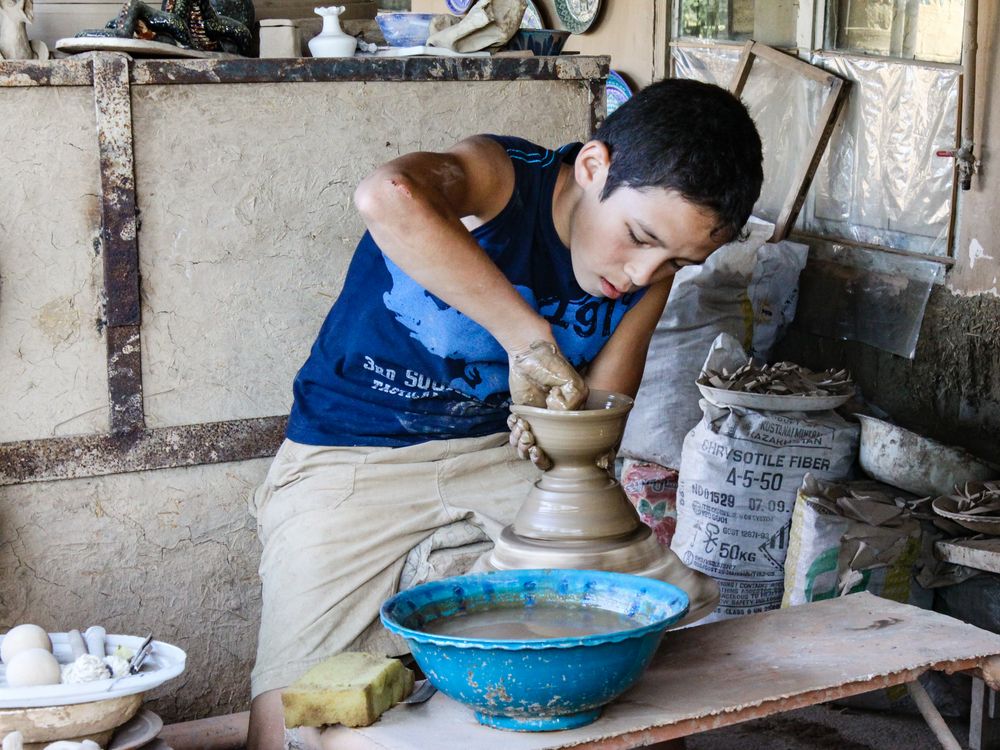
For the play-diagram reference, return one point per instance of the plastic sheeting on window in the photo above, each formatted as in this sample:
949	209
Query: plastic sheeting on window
880	182
709	64
875	297
785	105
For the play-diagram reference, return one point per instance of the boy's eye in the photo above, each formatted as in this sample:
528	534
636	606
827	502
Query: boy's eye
635	240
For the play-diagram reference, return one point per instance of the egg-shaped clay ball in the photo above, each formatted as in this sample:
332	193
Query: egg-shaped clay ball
21	638
36	666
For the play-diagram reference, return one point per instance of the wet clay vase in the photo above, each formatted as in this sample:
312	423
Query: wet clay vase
578	516
576	498
332	41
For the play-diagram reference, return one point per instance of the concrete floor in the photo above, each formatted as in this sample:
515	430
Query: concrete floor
828	728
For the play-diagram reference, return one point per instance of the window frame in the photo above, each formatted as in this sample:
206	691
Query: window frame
814	36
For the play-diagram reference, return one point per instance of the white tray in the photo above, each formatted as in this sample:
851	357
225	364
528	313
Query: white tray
164	663
771	402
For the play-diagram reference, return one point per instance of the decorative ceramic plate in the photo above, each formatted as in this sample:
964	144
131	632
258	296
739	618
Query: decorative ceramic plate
137	732
532	18
617	91
458	7
771	401
164	663
577	15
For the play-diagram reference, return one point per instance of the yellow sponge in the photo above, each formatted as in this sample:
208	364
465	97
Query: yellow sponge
350	688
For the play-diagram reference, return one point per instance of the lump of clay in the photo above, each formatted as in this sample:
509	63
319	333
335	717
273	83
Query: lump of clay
86	668
34	666
116	664
21	638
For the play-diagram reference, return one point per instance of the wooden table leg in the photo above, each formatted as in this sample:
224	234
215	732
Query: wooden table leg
932	716
984	719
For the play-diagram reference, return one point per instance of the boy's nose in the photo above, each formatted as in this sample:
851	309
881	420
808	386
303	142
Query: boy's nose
640	272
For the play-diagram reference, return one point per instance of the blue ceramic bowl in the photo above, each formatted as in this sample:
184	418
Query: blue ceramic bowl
544	684
405	29
539	41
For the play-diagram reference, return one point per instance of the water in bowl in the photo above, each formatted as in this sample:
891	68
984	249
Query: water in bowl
538	622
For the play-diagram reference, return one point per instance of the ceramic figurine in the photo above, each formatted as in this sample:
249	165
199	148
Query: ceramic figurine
332	41
196	24
14	43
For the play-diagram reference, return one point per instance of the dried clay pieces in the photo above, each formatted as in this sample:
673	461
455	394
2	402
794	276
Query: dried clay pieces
780	379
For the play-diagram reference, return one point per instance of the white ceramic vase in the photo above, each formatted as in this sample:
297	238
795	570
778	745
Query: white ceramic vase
332	41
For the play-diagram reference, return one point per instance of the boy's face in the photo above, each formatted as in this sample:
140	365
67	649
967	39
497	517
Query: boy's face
635	237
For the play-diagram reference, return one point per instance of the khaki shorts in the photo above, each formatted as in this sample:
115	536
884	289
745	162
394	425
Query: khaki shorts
337	524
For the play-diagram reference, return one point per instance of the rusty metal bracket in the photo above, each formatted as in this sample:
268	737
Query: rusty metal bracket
139	450
119	239
248	70
598	103
76	71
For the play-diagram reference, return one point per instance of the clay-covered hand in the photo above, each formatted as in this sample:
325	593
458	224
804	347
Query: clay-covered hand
541	376
523	441
607	460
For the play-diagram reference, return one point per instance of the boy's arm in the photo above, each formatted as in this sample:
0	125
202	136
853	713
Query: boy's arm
619	365
414	205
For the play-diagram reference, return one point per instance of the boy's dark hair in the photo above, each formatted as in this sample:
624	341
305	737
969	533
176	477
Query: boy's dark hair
691	137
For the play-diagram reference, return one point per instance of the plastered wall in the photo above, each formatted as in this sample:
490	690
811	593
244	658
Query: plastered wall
247	227
51	352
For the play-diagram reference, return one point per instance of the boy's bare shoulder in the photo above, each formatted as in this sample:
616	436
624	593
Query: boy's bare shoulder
474	178
488	175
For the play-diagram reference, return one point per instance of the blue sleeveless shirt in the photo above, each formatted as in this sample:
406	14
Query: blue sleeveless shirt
393	365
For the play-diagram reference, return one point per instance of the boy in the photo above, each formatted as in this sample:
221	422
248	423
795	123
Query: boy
496	271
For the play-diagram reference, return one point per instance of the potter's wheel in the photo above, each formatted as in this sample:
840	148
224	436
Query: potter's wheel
578	517
662	563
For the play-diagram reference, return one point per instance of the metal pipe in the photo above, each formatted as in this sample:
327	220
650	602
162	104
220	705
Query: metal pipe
970	47
931	715
967	162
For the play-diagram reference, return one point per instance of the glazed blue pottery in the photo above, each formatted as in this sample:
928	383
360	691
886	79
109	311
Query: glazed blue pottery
544	684
405	29
539	41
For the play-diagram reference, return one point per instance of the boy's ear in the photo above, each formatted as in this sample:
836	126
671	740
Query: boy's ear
592	163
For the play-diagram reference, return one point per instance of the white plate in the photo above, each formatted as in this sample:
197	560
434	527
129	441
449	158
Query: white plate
137	732
137	47
164	663
771	402
423	49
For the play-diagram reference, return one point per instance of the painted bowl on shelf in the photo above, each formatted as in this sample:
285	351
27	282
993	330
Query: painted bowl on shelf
405	29
535	650
539	41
